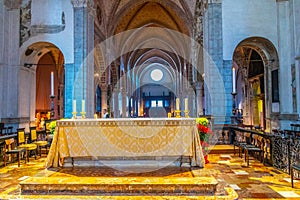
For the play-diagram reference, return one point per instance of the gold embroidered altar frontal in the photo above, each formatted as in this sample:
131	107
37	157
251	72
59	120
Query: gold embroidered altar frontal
138	137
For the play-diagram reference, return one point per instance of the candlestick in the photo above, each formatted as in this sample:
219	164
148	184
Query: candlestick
177	103
83	105
74	115
82	115
186	104
186	114
169	115
177	113
52	83
74	105
233	81
52	106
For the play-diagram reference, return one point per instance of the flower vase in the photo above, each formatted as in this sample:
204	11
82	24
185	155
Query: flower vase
206	159
205	146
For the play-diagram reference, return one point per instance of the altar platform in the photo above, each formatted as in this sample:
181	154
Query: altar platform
97	142
235	179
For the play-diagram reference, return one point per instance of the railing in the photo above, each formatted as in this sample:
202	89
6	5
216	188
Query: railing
282	148
286	152
222	132
266	140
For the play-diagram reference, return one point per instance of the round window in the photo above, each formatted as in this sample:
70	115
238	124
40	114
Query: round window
156	74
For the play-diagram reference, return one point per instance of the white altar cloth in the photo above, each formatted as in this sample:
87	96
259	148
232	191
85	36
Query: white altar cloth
125	137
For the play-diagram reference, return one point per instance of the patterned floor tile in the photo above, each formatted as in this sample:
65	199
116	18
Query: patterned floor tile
255	181
289	194
235	186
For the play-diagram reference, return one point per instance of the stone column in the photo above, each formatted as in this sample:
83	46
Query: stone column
215	88
83	44
115	106
125	112
199	95
284	52
103	96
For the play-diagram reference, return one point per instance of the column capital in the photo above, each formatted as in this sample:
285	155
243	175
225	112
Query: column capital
82	3
213	1
89	4
12	4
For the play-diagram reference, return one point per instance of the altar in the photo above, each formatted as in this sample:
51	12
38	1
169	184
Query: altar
129	138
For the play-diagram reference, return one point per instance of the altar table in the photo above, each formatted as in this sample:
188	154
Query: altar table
125	137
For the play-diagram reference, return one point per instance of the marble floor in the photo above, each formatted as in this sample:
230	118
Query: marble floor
254	182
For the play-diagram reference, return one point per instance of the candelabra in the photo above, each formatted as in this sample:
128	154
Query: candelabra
52	105
237	114
233	103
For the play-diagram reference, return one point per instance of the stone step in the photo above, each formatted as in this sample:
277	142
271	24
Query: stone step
116	186
221	149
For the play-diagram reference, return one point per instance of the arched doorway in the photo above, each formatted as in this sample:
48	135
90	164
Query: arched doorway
48	62
255	60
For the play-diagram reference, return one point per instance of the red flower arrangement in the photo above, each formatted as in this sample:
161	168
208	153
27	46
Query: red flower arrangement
204	134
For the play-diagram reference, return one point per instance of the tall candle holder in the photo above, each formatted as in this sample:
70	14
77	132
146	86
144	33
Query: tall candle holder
186	114
177	113
52	106
234	110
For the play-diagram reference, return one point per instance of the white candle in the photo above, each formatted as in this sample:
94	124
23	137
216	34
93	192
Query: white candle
83	105
74	105
186	104
233	81
52	83
177	103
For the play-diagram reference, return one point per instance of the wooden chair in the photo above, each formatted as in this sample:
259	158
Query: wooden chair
41	144
240	142
254	146
295	166
10	149
22	142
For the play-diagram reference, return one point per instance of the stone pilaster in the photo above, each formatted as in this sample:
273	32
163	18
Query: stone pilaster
69	89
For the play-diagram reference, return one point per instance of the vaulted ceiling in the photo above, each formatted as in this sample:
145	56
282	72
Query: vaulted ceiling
155	27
